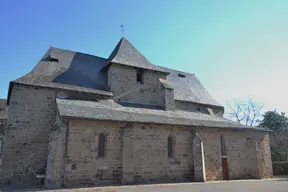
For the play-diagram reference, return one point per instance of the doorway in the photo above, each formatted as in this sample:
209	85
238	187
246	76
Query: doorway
225	169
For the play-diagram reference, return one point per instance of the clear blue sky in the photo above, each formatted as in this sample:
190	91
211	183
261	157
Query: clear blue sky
237	48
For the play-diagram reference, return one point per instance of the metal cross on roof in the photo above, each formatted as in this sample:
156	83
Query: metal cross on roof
122	29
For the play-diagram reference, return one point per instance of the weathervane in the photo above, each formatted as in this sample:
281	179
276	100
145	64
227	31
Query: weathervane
122	29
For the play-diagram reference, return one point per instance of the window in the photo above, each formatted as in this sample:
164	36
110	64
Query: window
223	146
181	75
140	76
198	109
49	58
170	147
101	145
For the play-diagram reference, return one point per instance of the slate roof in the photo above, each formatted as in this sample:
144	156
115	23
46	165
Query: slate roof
3	109
126	54
111	110
71	70
189	88
68	70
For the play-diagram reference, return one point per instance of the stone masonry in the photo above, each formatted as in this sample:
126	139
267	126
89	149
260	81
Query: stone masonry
31	116
125	87
241	153
79	119
137	153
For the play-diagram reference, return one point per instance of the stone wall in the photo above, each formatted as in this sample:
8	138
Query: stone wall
2	126
150	153
135	153
242	153
83	164
169	102
123	83
31	114
264	157
56	155
31	117
138	153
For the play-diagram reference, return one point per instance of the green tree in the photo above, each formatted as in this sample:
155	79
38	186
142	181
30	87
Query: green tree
274	121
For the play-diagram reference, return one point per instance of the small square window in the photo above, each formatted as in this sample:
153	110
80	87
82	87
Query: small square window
73	167
140	76
198	109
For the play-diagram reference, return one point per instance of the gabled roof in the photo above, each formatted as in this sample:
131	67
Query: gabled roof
110	110
82	72
187	87
69	70
126	54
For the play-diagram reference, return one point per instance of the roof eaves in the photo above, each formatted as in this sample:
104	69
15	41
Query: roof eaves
160	123
65	87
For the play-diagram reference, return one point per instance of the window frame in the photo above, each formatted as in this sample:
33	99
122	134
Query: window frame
170	147
140	75
223	146
101	145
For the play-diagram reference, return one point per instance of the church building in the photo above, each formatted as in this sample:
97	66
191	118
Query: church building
80	119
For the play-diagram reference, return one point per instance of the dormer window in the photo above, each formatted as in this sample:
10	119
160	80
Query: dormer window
181	75
140	76
49	58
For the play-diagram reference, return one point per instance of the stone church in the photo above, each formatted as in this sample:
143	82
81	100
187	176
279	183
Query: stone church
80	119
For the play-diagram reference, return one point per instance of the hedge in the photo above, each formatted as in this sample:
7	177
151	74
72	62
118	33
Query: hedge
280	168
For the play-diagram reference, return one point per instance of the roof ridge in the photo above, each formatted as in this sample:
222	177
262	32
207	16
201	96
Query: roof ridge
109	59
176	70
125	53
61	49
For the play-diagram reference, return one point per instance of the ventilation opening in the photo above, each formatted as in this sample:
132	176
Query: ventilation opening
49	58
140	76
181	75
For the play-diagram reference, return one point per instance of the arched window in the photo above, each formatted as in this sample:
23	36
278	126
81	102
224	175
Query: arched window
101	145
223	146
170	147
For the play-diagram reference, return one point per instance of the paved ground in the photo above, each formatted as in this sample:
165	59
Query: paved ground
274	185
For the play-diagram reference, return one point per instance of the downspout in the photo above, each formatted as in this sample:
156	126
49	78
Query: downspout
65	154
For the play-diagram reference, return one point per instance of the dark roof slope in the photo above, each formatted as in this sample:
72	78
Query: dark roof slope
68	70
3	109
71	70
188	88
126	54
113	111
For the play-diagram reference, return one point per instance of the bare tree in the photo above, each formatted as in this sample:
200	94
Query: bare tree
244	111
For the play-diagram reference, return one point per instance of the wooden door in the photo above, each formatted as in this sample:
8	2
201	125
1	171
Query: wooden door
225	169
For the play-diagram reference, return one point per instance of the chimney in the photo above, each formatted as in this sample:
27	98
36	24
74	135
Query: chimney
168	95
